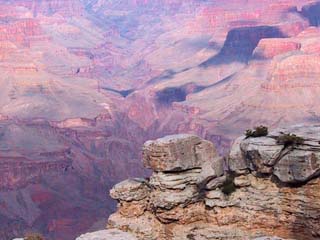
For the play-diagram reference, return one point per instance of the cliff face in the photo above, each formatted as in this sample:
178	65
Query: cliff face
268	186
38	158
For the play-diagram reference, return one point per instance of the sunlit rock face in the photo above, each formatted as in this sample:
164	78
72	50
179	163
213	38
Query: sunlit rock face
84	83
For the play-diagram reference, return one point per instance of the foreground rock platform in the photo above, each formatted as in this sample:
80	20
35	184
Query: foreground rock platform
268	188
112	234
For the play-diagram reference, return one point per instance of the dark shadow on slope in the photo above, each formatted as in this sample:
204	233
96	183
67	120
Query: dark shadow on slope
168	74
312	13
123	93
240	44
167	96
171	94
222	81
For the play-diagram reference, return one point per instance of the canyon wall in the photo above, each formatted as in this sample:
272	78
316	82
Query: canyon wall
85	83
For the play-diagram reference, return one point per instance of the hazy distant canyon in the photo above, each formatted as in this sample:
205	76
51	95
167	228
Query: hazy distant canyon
83	83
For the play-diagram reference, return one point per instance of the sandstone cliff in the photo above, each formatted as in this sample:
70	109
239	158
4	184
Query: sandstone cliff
268	186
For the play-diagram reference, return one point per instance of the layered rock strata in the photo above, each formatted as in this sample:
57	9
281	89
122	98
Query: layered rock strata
266	187
90	80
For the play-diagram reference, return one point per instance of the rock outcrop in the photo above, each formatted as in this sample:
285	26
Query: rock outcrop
268	186
269	48
291	163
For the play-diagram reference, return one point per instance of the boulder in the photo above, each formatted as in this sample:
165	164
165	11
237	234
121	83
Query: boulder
298	166
236	162
293	163
130	190
177	153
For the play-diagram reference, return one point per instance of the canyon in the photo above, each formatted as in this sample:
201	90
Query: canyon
84	83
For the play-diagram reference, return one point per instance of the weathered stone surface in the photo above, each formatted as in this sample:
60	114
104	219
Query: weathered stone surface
111	234
132	208
242	181
268	238
216	198
177	152
146	227
182	215
195	204
211	172
169	199
177	180
214	167
261	153
298	166
204	231
215	194
181	187
291	164
129	190
236	162
216	182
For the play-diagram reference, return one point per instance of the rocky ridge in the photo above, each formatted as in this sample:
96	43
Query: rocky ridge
268	186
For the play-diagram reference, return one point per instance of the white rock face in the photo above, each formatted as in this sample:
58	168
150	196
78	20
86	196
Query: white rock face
130	190
177	152
290	163
111	234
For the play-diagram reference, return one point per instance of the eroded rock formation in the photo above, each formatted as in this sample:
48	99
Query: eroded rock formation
268	186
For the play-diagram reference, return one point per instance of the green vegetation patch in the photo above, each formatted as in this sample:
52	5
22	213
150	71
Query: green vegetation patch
229	187
289	139
260	131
